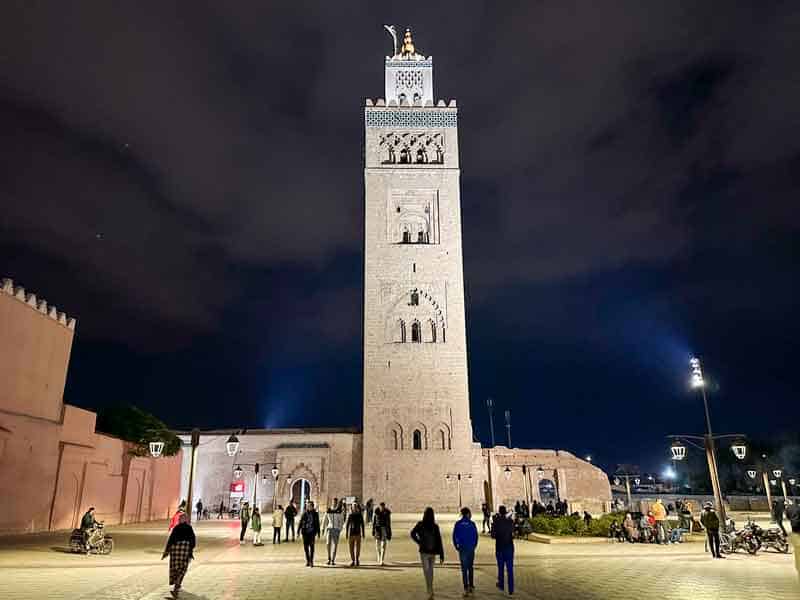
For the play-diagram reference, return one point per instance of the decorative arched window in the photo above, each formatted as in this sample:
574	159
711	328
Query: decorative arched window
416	332
394	437
417	440
401	332
406	236
395	440
433	331
442	440
414	298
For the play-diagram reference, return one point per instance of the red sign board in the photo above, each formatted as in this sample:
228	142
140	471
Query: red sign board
237	486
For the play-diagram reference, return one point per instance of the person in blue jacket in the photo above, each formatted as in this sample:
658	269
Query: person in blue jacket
465	539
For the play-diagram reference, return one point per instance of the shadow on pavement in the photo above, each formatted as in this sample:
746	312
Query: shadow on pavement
62	550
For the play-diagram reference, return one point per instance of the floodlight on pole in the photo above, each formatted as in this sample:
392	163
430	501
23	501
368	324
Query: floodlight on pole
275	472
237	472
507	472
752	473
792	481
697	380
777	473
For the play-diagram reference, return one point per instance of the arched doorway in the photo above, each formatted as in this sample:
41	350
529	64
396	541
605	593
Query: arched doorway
301	493
547	491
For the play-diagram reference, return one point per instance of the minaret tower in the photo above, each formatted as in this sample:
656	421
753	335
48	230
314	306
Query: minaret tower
417	428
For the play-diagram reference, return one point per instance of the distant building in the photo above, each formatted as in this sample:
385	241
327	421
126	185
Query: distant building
416	448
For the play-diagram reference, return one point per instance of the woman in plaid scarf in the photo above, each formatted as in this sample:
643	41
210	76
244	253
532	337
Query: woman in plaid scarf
180	547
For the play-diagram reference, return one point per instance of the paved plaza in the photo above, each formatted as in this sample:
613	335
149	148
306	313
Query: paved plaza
38	566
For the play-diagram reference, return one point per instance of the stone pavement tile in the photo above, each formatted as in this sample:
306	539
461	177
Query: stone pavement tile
226	571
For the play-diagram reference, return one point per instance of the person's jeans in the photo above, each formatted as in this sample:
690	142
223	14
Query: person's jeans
276	535
380	547
713	541
308	547
661	532
676	535
487	524
355	548
428	560
333	544
244	528
466	557
779	522
505	559
289	525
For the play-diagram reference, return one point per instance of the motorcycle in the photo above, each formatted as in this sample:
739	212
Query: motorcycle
732	540
769	538
94	541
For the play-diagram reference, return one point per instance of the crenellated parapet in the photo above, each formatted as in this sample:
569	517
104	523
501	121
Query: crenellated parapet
8	288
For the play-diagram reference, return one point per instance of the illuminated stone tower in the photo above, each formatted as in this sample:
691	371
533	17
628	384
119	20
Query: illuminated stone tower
417	427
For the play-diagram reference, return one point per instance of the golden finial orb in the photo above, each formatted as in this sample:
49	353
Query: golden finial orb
408	43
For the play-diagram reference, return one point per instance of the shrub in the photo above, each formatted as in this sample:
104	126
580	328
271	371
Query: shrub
574	525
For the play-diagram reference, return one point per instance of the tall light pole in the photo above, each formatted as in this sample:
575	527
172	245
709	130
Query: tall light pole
508	426
678	450
490	408
195	441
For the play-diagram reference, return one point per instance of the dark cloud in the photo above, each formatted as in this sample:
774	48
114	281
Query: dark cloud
630	175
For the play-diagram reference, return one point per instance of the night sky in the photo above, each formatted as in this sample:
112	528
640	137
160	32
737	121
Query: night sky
187	181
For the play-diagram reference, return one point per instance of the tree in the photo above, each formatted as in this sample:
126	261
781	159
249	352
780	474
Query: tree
139	427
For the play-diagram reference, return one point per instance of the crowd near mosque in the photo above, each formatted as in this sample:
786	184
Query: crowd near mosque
355	519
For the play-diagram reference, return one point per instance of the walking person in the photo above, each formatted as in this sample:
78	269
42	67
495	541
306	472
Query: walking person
288	515
487	517
793	513
428	538
465	540
778	508
199	507
255	525
309	530
332	528
710	521
354	531
503	534
244	516
382	531
370	506
221	510
277	525
180	548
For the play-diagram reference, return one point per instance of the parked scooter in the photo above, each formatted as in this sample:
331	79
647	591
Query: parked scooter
769	538
95	541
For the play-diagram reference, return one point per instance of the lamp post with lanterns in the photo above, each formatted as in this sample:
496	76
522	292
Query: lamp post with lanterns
450	477
526	479
619	476
238	471
678	448
771	474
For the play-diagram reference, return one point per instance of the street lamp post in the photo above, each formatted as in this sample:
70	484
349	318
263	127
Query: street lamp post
738	447
195	441
457	476
527	484
627	477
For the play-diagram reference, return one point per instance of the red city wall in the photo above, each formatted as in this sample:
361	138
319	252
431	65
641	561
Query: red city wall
53	464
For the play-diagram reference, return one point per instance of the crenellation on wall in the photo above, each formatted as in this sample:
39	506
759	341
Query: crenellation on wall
33	301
